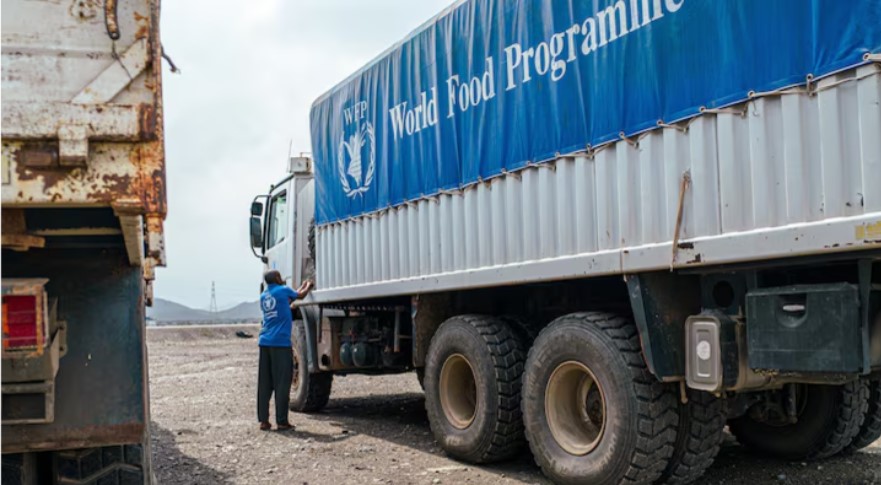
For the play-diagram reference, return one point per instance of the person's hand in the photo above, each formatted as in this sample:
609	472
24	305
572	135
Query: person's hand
304	288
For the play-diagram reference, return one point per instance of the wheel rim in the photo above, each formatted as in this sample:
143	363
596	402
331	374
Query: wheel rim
295	375
458	391
575	407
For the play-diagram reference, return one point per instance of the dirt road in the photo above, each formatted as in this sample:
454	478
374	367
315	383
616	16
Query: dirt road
202	386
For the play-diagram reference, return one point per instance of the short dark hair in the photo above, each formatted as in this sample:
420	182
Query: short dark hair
272	277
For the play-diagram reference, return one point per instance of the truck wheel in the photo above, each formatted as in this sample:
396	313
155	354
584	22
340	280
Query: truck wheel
309	392
829	418
870	431
701	424
108	464
593	412
472	388
20	469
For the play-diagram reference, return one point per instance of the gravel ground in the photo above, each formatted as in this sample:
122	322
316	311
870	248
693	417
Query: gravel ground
375	430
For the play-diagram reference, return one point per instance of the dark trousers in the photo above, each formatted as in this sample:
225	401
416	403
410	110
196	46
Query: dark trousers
274	375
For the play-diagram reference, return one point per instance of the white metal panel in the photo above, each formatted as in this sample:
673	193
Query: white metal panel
394	245
607	199
547	210
513	218
423	220
384	264
470	240
434	229
869	93
565	206
484	208
704	175
445	232
529	227
411	212
585	205
354	251
677	163
781	175
457	209
651	174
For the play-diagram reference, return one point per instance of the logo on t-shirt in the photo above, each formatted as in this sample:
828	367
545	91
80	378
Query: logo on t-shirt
269	306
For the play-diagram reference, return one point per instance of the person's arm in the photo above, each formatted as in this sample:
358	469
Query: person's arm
304	289
300	292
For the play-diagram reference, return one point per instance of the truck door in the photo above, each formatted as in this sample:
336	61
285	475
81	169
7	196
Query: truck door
280	223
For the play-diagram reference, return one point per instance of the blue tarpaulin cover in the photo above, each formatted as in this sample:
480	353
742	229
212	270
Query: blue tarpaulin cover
490	86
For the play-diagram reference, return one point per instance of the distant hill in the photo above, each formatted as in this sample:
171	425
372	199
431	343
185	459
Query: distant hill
247	310
165	311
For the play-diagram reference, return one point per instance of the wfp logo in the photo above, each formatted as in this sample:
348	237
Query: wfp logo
354	153
356	156
268	303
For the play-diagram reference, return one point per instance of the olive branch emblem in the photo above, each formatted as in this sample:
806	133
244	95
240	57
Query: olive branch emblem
353	147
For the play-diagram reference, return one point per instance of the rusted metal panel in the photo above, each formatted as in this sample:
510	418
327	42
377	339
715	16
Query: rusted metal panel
82	109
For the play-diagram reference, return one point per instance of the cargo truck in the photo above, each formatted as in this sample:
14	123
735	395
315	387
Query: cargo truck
83	194
604	229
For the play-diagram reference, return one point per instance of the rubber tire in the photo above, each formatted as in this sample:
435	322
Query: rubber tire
497	357
870	431
831	419
313	391
641	413
700	433
524	330
108	464
20	469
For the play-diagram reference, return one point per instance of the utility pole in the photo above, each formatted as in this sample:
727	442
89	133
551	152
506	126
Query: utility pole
213	307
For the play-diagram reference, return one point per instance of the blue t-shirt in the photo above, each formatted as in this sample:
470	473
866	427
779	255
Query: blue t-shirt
277	322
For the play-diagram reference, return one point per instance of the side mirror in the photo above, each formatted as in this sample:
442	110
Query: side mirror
256	231
256	208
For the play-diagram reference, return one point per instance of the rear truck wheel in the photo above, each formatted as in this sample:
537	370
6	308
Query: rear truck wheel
108	464
701	427
20	469
828	418
472	388
593	413
309	392
870	431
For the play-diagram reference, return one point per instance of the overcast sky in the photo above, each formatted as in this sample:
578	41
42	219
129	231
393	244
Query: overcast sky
250	71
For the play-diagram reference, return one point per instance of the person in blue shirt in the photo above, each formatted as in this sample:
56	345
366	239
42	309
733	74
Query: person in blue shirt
276	357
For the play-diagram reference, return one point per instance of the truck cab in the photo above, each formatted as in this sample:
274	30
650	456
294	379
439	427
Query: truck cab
282	221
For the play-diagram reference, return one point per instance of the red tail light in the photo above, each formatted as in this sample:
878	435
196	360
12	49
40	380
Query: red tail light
21	323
